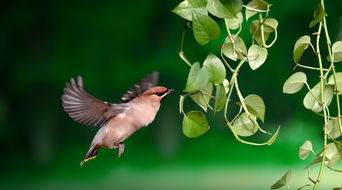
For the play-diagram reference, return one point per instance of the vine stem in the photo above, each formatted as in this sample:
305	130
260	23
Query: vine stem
332	66
322	102
181	53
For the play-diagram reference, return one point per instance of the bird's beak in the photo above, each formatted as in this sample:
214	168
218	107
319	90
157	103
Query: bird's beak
170	91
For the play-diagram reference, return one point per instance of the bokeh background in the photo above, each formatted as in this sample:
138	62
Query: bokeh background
112	44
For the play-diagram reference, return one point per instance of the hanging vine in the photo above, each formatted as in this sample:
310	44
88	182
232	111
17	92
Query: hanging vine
319	98
219	73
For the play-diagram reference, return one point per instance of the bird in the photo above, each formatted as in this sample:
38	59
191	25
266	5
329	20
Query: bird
116	121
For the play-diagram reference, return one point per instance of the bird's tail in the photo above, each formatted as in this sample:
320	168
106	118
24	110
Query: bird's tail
91	154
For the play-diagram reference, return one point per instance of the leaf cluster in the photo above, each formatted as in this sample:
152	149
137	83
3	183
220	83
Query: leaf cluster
319	98
211	84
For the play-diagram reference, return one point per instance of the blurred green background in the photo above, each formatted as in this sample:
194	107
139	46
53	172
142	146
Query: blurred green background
112	44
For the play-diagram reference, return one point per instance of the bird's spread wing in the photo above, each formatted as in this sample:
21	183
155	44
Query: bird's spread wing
84	108
143	85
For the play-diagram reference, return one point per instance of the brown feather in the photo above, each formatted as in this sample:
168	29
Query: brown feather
84	108
142	86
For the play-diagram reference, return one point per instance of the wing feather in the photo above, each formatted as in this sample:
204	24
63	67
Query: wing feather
143	85
84	108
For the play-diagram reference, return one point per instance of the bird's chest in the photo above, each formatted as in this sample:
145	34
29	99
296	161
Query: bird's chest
144	115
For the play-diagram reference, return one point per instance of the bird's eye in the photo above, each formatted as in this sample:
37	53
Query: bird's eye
159	93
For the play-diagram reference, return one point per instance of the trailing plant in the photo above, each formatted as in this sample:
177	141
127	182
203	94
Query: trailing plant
319	97
212	84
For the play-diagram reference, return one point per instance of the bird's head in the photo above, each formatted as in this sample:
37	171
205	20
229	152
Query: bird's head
157	93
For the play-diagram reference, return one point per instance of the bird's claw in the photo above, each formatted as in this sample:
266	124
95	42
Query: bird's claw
121	147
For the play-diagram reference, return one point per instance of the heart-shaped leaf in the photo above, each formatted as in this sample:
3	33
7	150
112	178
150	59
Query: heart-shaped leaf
255	4
224	8
334	153
186	8
284	180
333	128
244	126
204	28
229	50
337	51
305	150
338	82
313	97
215	68
301	44
256	106
195	124
319	15
256	56
198	78
202	98
220	97
270	25
294	83
235	22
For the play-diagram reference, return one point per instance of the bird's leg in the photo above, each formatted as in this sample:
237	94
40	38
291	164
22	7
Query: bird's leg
121	147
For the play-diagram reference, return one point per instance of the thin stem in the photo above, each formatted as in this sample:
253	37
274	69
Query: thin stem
226	63
239	54
181	53
308	87
231	88
252	143
256	10
238	89
263	35
308	67
322	101
237	115
335	170
313	48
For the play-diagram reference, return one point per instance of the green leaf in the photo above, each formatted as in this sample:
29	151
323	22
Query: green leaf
255	4
305	149
198	3
256	56
220	97
301	44
244	126
337	51
270	25
204	28
235	22
229	50
334	153
318	15
195	124
197	79
256	106
202	98
315	161
284	180
215	68
333	128
294	83
186	8
224	8
313	97
338	84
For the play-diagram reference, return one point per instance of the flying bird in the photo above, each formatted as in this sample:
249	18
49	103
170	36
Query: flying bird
116	122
